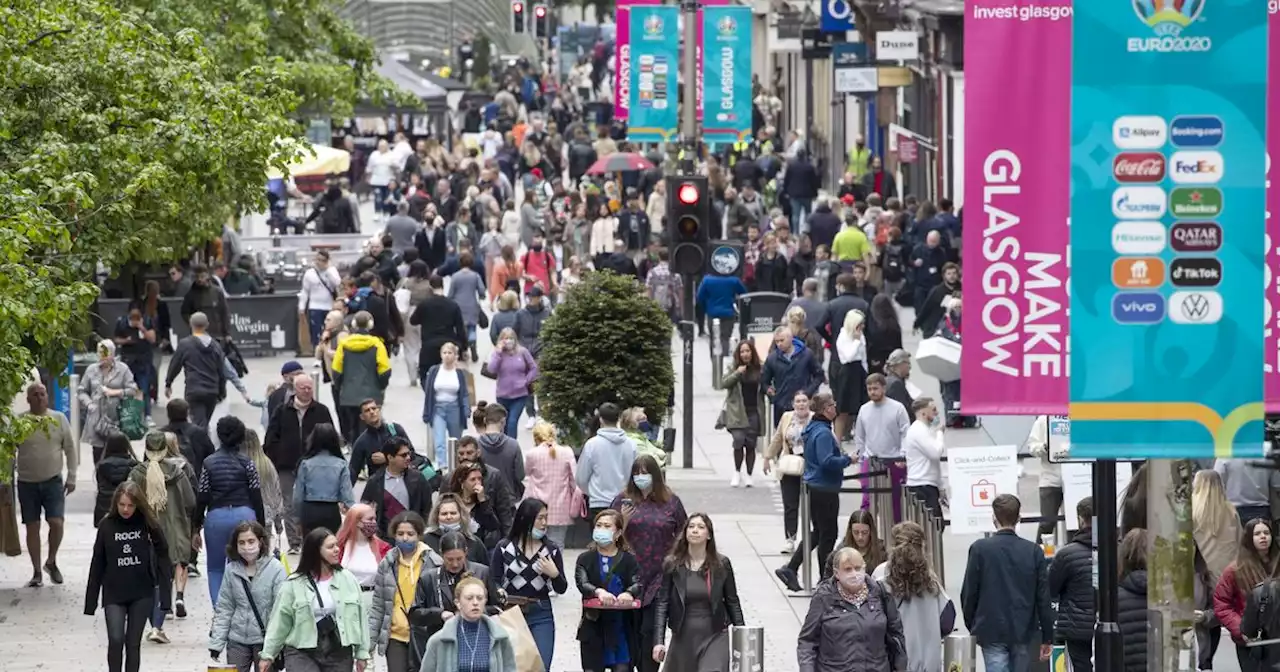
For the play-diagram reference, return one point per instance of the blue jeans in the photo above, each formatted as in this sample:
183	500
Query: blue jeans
471	334
157	614
1006	657
445	423
800	209
315	323
542	624
218	526
515	407
142	376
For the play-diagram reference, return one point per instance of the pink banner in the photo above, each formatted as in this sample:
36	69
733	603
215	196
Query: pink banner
622	57
1271	378
1017	190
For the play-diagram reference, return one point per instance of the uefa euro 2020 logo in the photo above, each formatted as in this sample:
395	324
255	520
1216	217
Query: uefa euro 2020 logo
1168	17
653	25
727	27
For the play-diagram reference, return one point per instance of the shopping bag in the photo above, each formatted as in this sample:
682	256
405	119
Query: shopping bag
527	657
10	542
305	346
471	386
133	421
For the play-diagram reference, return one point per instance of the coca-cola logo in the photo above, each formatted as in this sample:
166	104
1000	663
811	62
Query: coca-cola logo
1139	167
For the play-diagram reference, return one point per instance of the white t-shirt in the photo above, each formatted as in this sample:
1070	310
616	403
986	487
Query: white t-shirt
446	387
362	563
923	449
326	604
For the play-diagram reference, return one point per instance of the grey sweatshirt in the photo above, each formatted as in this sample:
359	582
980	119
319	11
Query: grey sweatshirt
605	466
503	453
1247	485
881	428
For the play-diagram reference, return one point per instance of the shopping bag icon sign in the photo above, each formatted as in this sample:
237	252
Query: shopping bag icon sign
983	493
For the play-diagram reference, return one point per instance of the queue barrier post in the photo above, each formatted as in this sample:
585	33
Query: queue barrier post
881	496
933	539
806	544
452	445
717	357
746	648
769	429
960	653
74	418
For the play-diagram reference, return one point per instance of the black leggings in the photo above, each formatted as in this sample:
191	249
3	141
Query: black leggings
125	624
790	486
744	443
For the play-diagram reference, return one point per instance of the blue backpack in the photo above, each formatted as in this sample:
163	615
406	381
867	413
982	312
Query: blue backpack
359	301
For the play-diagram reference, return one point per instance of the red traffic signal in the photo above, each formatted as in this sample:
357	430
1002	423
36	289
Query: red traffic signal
688	194
540	11
517	7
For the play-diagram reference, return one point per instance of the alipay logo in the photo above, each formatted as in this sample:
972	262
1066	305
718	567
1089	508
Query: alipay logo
1196	167
1139	132
1138	238
1196	131
1138	203
1137	307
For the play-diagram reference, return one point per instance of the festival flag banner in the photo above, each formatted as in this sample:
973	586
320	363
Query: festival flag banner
726	32
699	22
1017	159
622	56
655	66
1272	370
1168	134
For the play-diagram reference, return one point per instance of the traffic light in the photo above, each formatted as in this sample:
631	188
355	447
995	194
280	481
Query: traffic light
541	21
688	222
517	18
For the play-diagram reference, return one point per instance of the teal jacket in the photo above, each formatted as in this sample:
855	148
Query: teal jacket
293	624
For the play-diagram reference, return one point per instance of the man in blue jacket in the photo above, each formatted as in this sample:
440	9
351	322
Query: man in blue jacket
824	465
1005	595
718	298
790	368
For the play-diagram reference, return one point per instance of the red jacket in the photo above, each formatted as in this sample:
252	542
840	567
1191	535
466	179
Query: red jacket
1229	603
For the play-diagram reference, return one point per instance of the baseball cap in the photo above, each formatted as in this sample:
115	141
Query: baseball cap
291	366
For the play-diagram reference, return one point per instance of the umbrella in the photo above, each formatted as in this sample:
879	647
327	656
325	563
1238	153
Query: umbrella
317	160
620	162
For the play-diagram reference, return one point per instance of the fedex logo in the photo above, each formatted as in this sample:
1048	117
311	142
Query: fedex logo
1196	167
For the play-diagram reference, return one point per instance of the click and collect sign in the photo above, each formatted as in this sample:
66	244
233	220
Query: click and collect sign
726	98
655	66
977	476
1165	348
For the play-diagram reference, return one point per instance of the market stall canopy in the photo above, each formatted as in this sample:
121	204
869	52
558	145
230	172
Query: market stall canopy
316	160
404	77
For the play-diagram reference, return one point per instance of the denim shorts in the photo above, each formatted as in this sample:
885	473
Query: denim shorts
47	495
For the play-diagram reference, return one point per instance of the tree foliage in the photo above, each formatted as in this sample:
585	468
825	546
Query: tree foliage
131	131
607	342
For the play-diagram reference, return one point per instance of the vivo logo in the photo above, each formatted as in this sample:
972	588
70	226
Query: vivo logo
1137	307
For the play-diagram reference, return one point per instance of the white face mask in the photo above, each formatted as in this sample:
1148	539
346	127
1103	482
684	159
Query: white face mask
249	552
853	580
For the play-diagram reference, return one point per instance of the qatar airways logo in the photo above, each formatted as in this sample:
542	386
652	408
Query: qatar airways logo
1138	167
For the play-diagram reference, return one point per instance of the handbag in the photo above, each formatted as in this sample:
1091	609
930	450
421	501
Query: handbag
131	414
791	465
527	657
484	371
278	663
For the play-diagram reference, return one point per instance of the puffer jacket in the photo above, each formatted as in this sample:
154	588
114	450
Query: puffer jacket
233	619
1071	586
384	592
362	369
110	473
1132	620
175	517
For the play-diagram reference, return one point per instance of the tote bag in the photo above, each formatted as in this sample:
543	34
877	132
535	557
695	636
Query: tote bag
527	657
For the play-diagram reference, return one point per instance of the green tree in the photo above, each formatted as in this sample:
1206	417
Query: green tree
608	341
131	132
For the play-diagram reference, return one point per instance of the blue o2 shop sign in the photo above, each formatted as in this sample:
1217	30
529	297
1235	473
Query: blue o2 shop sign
837	16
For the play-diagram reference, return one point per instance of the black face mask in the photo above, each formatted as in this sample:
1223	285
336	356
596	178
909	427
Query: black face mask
536	247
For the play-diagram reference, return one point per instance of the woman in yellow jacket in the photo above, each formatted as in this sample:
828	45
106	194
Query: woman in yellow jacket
319	620
788	444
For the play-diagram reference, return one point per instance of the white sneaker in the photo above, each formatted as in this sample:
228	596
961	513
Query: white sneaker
737	480
528	424
789	546
748	480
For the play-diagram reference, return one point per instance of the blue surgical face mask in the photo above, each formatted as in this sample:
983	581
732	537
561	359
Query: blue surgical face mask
602	537
407	547
644	426
539	534
451	527
642	481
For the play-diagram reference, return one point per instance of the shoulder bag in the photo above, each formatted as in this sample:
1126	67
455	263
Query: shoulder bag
278	663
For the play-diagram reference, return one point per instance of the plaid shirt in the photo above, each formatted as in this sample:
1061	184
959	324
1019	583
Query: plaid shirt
553	480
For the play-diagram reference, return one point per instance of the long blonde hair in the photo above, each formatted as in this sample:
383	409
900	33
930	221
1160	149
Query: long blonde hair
1211	513
267	476
156	450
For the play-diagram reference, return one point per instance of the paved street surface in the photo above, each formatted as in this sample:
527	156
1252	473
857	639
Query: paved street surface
45	629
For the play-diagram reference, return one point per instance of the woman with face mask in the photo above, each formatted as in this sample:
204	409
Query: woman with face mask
654	518
513	366
609	579
449	515
528	566
395	588
471	641
698	600
360	549
434	601
101	390
247	597
852	624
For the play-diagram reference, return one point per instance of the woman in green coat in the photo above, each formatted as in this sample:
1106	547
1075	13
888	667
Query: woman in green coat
165	479
743	412
319	620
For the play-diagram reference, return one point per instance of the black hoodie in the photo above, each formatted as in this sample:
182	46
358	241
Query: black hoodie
201	359
124	566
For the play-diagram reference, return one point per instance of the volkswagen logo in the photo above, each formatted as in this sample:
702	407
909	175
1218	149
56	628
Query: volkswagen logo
1195	307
